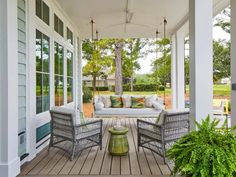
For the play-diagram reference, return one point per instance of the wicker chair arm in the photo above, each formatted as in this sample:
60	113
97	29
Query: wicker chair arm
92	122
88	127
146	123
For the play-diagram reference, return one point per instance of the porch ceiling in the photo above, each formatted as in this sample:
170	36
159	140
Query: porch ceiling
145	16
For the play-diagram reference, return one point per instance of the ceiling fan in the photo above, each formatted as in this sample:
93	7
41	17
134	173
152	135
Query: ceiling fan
128	18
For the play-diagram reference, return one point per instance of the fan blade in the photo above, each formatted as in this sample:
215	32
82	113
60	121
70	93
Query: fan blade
114	25
137	24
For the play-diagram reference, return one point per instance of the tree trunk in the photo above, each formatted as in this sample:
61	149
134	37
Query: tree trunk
132	83
94	83
118	73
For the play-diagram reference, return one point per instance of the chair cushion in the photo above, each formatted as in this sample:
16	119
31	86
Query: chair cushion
116	101
145	112
137	102
61	110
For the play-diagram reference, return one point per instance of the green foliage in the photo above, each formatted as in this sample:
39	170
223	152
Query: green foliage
207	152
98	58
229	106
221	59
87	95
100	88
140	87
144	79
132	51
162	65
161	88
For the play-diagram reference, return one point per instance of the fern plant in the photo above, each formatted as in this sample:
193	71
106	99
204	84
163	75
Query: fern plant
207	152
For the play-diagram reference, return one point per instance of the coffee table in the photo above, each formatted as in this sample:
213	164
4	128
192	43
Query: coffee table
118	143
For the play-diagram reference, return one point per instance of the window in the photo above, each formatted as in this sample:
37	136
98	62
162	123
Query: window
58	25
69	77
59	74
69	35
42	11
42	72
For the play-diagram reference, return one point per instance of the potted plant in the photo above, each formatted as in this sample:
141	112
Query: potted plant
206	152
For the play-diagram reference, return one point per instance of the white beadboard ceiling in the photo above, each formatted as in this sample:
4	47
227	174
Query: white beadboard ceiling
146	16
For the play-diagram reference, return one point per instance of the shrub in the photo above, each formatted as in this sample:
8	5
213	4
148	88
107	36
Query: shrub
207	152
87	95
100	88
229	106
161	88
139	87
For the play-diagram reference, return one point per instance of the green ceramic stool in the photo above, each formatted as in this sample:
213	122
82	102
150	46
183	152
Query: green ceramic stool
118	143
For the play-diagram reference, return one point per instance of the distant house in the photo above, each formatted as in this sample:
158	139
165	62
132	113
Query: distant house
100	82
225	81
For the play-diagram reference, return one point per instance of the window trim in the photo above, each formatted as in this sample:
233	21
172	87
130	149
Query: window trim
70	76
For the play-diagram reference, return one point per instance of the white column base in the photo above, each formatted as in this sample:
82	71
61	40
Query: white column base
11	169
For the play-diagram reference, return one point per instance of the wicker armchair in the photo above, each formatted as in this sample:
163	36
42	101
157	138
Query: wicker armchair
65	126
158	135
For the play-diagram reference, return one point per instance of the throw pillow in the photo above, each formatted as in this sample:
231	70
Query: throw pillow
160	119
158	106
106	101
137	102
126	101
116	102
98	106
149	101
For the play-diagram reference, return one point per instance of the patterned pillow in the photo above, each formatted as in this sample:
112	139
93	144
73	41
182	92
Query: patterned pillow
137	102
116	102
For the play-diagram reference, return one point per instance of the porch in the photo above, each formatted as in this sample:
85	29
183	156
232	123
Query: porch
95	162
24	110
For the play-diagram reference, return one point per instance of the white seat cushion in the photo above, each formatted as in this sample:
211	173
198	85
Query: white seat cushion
129	111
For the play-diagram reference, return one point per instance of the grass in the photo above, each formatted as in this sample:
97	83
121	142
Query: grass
222	91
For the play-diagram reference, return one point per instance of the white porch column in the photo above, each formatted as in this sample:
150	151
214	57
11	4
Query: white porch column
80	76
9	160
173	72
201	62
177	71
233	61
180	78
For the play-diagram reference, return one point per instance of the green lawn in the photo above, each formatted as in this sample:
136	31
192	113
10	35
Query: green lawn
219	91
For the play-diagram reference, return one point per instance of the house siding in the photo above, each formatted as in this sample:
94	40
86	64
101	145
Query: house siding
21	14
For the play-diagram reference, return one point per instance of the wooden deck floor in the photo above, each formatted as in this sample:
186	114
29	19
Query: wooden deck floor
95	162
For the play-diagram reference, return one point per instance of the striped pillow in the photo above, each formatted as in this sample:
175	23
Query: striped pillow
116	102
137	102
